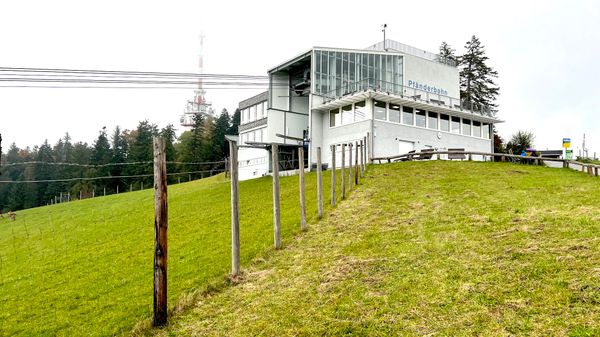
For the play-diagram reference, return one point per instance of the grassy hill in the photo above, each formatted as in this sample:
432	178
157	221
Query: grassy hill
428	248
86	267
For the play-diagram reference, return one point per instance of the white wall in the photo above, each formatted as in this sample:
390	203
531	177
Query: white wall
386	136
252	163
431	73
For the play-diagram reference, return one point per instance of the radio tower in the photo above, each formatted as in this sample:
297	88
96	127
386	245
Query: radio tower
199	105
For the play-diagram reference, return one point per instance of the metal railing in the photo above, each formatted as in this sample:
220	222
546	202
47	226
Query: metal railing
405	92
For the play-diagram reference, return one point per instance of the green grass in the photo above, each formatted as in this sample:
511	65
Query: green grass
428	248
86	267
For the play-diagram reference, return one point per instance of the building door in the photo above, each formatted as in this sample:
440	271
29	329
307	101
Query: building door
405	147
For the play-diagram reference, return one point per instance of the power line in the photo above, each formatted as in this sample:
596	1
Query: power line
112	164
100	178
123	72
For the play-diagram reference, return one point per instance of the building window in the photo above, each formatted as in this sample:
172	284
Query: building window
394	113
455	125
466	125
486	131
476	129
347	114
379	110
335	118
359	111
432	121
444	122
407	115
420	118
253	113
260	110
340	73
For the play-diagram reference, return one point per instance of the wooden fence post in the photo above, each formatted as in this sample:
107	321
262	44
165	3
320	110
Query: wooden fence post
319	184
333	179
368	148
302	195
161	221
343	171
104	191
276	210
596	170
356	165
350	173
362	159
117	188
235	213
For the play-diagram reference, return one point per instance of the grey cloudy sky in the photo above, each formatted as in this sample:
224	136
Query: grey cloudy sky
544	51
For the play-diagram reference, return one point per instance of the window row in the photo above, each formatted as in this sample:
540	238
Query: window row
338	73
253	136
253	113
427	119
348	114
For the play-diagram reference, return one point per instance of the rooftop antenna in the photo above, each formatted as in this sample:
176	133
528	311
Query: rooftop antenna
383	30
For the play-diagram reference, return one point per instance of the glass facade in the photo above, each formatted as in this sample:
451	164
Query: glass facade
338	73
455	125
444	122
420	118
394	113
466	127
407	115
432	120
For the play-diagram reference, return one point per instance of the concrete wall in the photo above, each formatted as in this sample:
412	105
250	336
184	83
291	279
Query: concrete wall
340	134
386	138
253	163
279	97
431	73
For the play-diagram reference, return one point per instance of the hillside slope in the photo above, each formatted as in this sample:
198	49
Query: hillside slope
86	267
428	248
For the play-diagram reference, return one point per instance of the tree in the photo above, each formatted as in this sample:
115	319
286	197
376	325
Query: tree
235	122
520	141
119	155
101	154
447	54
477	87
219	145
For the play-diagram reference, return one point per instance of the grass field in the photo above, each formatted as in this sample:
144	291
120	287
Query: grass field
428	248
86	267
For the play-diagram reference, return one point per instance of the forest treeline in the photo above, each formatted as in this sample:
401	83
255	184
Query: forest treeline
196	153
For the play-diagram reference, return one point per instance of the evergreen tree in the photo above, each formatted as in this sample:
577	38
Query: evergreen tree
478	90
141	150
447	55
119	155
235	122
101	154
219	144
168	134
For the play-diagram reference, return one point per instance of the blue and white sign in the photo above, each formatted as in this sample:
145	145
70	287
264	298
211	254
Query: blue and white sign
427	87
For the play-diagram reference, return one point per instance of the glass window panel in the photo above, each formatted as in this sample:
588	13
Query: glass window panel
347	115
253	113
444	122
407	115
466	125
432	121
359	111
486	131
379	110
394	113
455	125
476	129
334	117
420	118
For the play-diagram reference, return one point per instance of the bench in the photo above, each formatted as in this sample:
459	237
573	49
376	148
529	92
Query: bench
452	156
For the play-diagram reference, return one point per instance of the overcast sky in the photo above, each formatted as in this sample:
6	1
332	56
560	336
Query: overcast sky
546	54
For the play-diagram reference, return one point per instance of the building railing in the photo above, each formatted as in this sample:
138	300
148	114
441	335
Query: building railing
418	95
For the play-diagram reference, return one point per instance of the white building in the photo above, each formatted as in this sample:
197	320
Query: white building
403	97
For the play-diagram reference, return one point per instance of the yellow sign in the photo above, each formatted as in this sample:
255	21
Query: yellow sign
566	143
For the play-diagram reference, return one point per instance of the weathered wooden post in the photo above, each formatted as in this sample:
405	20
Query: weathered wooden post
80	194
235	212
470	157
596	170
350	171
590	170
343	171
368	148
319	185
104	190
142	185
117	188
276	210
61	197
302	195
356	165
130	187
362	159
333	179
161	223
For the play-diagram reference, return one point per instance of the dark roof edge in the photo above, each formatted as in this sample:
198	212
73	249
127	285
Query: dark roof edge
264	96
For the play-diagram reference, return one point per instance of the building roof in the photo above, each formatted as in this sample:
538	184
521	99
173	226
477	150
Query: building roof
254	100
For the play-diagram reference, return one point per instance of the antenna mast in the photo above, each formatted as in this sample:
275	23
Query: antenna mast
383	30
198	106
